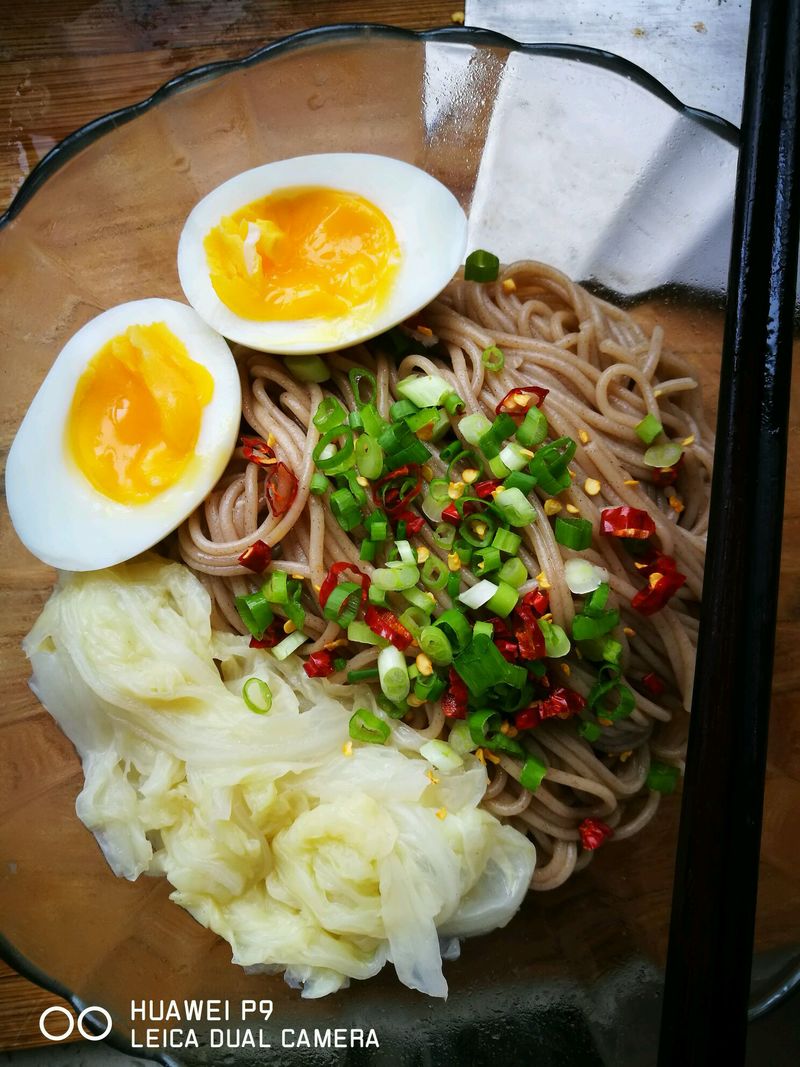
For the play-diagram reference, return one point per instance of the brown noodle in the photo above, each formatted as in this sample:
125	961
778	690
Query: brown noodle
604	373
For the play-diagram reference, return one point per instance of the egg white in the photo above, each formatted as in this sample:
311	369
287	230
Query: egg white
57	513
429	224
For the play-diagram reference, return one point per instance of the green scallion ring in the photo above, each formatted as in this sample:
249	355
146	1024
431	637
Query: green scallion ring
257	695
493	359
434	643
343	603
330	413
343	458
532	774
366	726
356	376
369	457
481	266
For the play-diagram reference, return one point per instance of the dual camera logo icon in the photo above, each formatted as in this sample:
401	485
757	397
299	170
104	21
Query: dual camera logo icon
52	1029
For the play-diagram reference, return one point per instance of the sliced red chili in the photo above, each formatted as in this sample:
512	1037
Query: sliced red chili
257	451
257	557
414	523
319	664
538	600
485	489
518	401
331	581
626	522
660	588
655	562
395	491
270	638
528	719
454	702
509	650
653	684
454	516
530	638
386	625
593	832
280	489
664	476
554	706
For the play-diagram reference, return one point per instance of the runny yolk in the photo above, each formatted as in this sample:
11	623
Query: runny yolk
303	253
136	414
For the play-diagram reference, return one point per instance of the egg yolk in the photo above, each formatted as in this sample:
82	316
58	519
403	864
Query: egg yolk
303	254
136	414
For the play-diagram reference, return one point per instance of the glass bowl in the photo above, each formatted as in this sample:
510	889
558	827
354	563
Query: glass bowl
570	155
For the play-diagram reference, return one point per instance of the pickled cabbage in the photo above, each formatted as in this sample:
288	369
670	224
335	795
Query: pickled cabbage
309	854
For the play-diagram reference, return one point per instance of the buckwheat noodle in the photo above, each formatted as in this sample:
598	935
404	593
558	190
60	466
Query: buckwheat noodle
604	373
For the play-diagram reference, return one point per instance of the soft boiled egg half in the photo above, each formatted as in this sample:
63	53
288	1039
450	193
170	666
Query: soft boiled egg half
316	253
129	431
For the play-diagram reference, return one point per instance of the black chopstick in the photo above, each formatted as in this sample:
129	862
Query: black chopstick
704	1018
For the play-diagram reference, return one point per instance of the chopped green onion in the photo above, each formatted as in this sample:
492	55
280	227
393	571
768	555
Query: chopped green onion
515	507
366	726
406	552
430	687
307	368
354	420
396	576
276	589
255	612
444	535
586	627
368	551
512	456
369	457
345	509
360	632
533	428
452	403
470	529
378	526
607	688
319	484
589	730
401	409
434	573
664	455
502	428
464	550
435	643
514	572
366	674
414	619
393	673
556	642
488	560
431	508
550	465
493	359
482	627
662	777
460	738
343	603
356	376
481	666
478	594
482	724
257	695
289	645
498	468
596	603
376	596
441	755
424	390
526	483
507	541
504	600
456	627
481	266
572	532
422	419
453	585
582	576
473	427
374	423
532	774
351	478
342	458
602	649
450	451
423	601
330	413
649	428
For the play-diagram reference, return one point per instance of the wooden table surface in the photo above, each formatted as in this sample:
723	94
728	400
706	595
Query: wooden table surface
64	63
